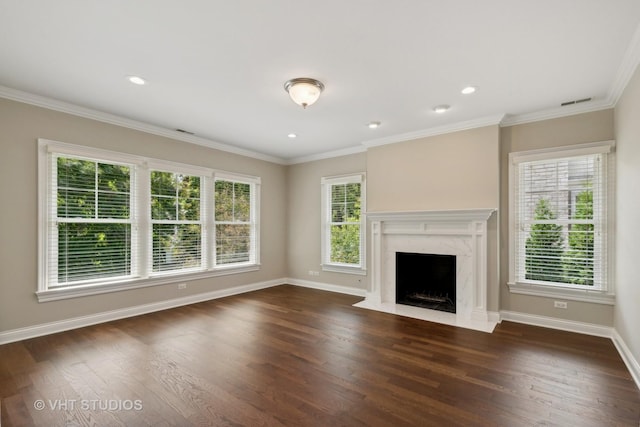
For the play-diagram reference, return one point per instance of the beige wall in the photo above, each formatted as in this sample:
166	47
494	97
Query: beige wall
452	171
577	129
303	225
21	125
627	125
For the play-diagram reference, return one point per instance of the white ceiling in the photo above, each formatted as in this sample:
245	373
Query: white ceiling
217	68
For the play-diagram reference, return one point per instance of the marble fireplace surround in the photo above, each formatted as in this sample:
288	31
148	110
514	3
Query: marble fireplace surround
462	233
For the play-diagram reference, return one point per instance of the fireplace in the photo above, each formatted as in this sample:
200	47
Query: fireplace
426	280
459	234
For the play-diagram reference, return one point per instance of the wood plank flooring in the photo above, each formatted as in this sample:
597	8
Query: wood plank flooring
289	356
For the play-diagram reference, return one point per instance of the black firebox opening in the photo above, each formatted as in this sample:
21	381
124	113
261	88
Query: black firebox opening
426	280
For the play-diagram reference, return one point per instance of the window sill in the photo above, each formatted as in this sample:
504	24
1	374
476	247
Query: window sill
343	268
572	294
167	279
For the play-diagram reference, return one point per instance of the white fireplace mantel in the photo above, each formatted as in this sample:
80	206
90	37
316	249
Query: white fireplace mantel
462	233
435	216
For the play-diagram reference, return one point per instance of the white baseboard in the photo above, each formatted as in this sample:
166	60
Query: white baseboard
107	316
627	357
561	324
327	287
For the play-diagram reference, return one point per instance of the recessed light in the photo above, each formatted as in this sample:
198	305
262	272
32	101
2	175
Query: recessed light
374	125
292	135
468	90
137	80
441	109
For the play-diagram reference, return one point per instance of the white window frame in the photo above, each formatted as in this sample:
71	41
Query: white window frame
49	270
178	170
254	184
141	225
326	183
605	295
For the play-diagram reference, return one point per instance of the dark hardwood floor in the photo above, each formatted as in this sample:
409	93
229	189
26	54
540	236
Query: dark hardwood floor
300	357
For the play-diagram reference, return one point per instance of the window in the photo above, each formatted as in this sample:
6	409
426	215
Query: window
560	205
176	221
91	236
235	224
343	224
111	221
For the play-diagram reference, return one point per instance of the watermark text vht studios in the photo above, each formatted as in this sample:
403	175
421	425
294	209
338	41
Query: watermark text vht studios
111	405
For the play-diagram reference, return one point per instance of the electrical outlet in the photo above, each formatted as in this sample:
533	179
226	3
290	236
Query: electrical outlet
560	304
182	286
314	273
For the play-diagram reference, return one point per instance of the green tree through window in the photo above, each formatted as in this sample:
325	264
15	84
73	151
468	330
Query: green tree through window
544	246
93	220
175	215
578	260
546	257
234	227
345	223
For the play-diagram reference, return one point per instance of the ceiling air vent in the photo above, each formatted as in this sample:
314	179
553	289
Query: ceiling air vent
577	101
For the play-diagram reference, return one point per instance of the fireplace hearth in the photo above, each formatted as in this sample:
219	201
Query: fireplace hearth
426	281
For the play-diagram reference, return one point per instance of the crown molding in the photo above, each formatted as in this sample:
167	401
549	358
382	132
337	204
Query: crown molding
438	130
628	66
555	113
328	155
88	113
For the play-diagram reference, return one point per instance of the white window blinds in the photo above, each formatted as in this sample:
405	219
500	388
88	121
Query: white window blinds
343	224
91	235
176	221
561	220
235	225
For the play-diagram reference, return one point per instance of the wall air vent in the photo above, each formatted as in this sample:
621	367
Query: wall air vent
577	101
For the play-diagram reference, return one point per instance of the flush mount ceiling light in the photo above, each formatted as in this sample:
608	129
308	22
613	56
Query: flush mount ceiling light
304	91
292	135
137	80
441	109
468	90
373	125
